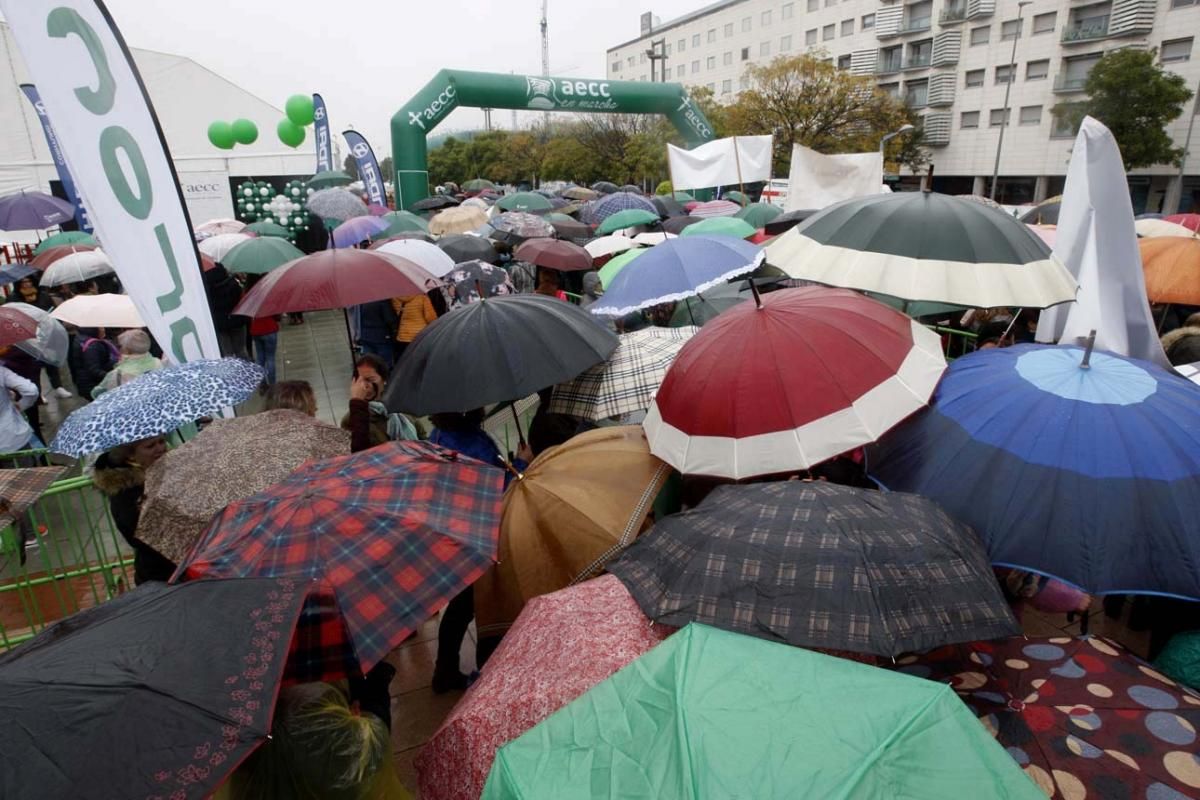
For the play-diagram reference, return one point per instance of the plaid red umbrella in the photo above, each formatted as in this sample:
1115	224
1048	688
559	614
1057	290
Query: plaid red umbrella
391	534
51	254
1082	716
562	645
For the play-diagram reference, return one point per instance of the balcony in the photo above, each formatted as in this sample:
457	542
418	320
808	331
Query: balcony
886	66
917	25
916	62
952	14
1086	30
1064	84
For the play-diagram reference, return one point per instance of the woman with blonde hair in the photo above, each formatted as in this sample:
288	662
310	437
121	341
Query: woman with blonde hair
296	395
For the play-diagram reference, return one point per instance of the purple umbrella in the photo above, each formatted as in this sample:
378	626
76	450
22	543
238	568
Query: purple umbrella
33	211
353	231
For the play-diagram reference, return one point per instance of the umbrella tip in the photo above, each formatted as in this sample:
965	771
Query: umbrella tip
1087	353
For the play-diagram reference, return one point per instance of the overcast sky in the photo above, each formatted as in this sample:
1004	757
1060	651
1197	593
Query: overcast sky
367	57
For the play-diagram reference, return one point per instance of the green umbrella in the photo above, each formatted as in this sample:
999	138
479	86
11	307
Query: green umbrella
268	228
703	307
398	225
720	226
524	201
916	308
616	264
328	179
478	185
709	713
736	197
391	216
683	197
64	238
627	219
759	214
556	217
259	255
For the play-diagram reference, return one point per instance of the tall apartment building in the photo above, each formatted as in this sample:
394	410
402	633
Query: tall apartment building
950	59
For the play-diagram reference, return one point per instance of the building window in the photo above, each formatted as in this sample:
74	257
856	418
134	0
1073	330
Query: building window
1030	115
679	71
1037	70
891	59
919	53
969	119
695	66
814	5
682	45
642	60
1176	50
830	3
712	35
728	29
1061	128
918	16
847	27
810	37
765	20
980	35
743	84
726	86
711	62
630	61
745	54
727	59
616	67
695	40
843	62
867	22
828	32
890	89
996	115
785	11
974	78
712	87
1183	3
1010	30
1044	23
746	23
1075	72
764	49
667	48
785	44
916	93
1004	73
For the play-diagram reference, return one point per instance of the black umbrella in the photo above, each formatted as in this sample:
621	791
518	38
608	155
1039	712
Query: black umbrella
816	564
160	692
676	225
463	247
605	187
788	220
436	202
577	232
494	351
668	206
631	189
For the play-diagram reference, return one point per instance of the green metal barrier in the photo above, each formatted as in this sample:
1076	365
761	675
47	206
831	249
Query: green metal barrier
63	555
956	343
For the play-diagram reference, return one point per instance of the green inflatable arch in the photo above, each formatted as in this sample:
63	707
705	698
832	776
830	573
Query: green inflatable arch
450	89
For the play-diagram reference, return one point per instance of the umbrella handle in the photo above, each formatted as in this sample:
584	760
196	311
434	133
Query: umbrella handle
517	422
1087	354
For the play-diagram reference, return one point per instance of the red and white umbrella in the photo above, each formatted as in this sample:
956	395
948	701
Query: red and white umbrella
15	326
790	381
215	227
215	247
715	208
561	645
77	267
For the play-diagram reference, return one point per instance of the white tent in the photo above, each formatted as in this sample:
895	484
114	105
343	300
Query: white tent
187	97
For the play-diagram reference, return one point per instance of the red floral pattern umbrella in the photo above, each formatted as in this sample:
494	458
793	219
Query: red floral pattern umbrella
390	535
1083	716
562	645
16	326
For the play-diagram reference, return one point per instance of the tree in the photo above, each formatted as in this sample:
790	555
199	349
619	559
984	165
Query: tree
350	167
566	158
806	100
450	162
1136	99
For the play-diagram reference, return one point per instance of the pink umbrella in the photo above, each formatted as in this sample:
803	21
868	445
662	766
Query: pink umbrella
715	208
1047	233
561	645
377	210
218	226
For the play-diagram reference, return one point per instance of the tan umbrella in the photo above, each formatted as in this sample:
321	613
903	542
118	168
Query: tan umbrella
230	460
573	510
1172	267
460	219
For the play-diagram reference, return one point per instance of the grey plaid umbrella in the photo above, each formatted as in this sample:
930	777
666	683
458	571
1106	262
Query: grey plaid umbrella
816	564
627	380
339	204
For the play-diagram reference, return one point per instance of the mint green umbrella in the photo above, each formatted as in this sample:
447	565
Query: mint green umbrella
268	228
736	197
478	185
714	714
759	214
524	201
616	264
64	238
627	218
682	197
328	180
556	217
260	255
720	226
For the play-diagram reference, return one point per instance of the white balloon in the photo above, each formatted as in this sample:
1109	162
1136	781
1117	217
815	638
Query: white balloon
248	192
295	192
250	206
264	192
299	221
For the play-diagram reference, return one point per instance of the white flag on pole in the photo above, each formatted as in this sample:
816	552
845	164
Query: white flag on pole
724	162
1097	243
114	146
818	180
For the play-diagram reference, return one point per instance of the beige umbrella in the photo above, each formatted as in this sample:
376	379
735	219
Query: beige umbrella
230	460
215	247
460	219
99	311
1154	228
572	511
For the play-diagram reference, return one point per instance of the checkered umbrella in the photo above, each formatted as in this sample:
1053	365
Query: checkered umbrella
21	488
391	534
819	565
599	210
627	381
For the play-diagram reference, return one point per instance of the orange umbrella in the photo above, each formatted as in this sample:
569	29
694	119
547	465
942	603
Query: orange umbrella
1172	266
572	511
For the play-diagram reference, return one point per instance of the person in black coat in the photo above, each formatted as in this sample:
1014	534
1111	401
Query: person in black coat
120	474
90	358
224	293
377	329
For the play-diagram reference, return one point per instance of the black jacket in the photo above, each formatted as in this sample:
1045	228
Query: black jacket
90	360
377	322
223	292
124	485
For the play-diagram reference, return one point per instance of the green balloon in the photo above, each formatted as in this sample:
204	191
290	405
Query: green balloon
299	109
290	133
244	131
220	134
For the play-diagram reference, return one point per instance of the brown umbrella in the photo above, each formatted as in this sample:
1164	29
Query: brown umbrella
572	511
1172	267
230	460
20	489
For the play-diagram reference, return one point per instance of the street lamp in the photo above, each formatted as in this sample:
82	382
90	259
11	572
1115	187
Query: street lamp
1012	77
905	128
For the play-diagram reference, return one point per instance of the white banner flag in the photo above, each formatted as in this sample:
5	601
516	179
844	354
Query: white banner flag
724	162
818	180
115	148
